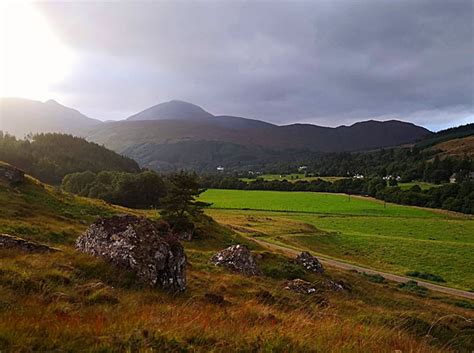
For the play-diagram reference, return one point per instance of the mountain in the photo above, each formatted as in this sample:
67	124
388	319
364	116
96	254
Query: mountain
122	135
20	116
175	127
174	110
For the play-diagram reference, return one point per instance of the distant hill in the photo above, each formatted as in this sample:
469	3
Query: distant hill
173	123
175	110
447	135
20	117
49	157
458	147
177	121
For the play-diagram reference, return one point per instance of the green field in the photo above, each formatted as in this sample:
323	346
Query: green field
309	202
423	185
396	239
291	177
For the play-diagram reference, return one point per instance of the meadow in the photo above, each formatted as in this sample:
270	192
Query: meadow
394	238
293	177
422	184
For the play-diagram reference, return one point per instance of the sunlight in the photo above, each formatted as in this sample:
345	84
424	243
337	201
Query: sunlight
32	59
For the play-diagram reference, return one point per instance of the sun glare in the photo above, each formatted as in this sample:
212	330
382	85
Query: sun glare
32	59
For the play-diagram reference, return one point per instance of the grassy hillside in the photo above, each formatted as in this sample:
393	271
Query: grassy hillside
394	238
447	135
67	301
459	147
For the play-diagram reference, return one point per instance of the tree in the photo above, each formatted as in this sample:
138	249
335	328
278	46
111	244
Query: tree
179	206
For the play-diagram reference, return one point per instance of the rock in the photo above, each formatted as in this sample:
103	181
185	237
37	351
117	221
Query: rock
145	247
237	258
12	242
11	174
300	286
336	286
309	262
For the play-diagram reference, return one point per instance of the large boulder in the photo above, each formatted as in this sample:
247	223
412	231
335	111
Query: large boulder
237	258
145	247
11	242
309	262
11	174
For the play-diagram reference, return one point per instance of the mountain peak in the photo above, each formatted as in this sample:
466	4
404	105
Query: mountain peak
173	110
52	102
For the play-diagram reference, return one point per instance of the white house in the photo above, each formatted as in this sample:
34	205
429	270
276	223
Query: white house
220	168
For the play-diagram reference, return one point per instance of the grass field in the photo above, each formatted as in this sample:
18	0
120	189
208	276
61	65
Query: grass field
423	185
308	202
291	177
396	239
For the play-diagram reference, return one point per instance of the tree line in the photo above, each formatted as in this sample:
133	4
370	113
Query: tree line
51	156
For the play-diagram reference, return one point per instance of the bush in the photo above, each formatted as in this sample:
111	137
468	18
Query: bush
427	276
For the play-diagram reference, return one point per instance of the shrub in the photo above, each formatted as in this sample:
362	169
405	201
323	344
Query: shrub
427	276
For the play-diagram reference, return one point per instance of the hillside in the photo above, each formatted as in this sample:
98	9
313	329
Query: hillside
458	147
71	301
20	117
50	157
447	135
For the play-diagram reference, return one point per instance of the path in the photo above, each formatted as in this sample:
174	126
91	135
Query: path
389	276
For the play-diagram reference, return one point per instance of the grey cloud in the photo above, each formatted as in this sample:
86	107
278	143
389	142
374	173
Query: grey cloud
326	62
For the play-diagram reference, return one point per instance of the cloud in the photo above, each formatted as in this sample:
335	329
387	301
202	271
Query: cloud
326	62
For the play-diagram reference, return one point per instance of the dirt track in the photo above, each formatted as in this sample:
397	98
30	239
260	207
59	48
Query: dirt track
388	276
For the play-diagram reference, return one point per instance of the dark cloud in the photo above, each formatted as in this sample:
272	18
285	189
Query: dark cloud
326	62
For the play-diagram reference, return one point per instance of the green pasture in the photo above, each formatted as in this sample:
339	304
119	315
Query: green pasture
292	177
423	185
395	239
308	202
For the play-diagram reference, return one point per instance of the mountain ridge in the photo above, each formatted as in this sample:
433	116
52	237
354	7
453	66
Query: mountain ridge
176	121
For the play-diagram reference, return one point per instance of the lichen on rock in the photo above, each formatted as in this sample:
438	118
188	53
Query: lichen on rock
145	247
237	258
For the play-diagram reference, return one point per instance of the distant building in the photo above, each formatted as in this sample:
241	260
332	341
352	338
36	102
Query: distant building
220	168
303	168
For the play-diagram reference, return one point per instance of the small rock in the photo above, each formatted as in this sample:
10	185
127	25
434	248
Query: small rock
11	242
237	258
336	286
300	286
309	262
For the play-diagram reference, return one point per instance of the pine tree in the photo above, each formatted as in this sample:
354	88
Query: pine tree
179	206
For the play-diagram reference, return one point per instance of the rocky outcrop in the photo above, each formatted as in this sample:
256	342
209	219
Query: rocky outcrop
11	242
143	246
11	174
309	262
300	286
237	258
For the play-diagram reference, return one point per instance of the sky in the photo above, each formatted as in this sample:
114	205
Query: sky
322	62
